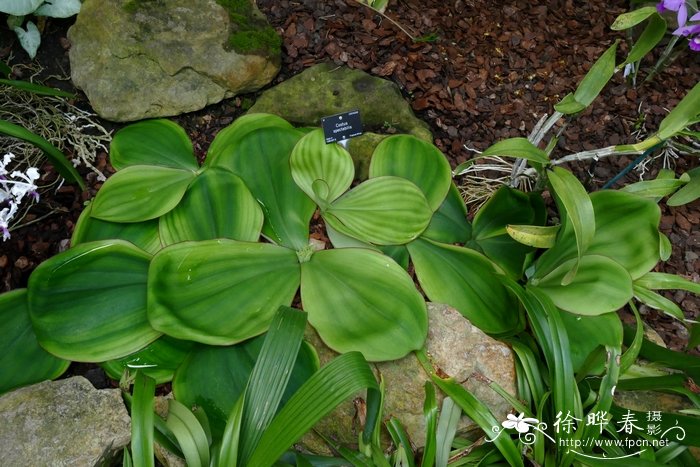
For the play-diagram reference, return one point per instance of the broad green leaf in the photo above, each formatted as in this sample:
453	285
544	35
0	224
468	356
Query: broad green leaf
142	420
340	240
650	37
217	204
597	77
600	286
578	209
632	18
313	161
35	88
219	292
416	160
654	189
270	377
588	332
383	210
663	281
658	302
29	38
626	231
686	112
466	280
159	360
362	300
449	223
261	159
231	136
22	360
517	147
214	377
534	235
62	165
327	388
152	142
398	253
88	303
690	192
59	8
140	193
489	235
20	7
189	433
142	234
569	105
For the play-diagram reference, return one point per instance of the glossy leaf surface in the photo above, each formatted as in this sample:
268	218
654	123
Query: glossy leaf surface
219	292
140	193
449	223
383	210
89	303
416	160
217	204
22	360
466	280
362	300
588	332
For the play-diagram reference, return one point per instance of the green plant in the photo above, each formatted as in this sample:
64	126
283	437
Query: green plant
30	38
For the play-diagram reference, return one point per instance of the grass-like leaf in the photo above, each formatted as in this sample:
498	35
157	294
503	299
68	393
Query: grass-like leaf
142	420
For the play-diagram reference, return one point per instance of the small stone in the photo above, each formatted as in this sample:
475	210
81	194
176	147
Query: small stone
22	263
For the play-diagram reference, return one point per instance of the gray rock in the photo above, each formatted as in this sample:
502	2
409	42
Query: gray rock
457	348
62	423
325	90
139	59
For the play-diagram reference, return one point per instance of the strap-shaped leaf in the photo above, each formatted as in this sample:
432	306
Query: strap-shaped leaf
189	433
313	162
577	209
690	192
517	147
219	292
142	234
217	204
230	136
534	235
632	18
22	360
261	159
328	387
362	300
33	87
663	281
159	360
601	285
214	377
650	37
416	160
152	142
685	113
139	193
89	303
449	223
56	157
142	420
383	210
657	301
466	280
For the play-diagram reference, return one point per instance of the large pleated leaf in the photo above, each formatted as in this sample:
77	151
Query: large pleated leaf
601	285
22	360
261	159
89	303
230	136
139	193
221	291
416	160
626	231
383	210
142	234
214	377
449	223
152	142
466	280
216	205
323	171
159	360
359	299
489	234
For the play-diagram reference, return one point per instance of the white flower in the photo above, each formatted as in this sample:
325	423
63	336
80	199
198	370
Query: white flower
5	160
6	215
520	423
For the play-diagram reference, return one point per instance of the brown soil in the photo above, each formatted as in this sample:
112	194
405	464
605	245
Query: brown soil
479	72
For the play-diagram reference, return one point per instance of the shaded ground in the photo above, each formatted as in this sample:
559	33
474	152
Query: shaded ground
481	71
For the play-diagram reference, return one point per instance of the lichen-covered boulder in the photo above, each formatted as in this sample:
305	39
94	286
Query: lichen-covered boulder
137	59
456	347
325	90
62	423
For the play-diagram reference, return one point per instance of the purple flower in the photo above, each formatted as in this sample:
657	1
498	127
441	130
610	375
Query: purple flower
694	43
675	5
687	30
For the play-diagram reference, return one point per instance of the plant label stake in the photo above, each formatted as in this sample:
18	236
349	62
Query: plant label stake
341	127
